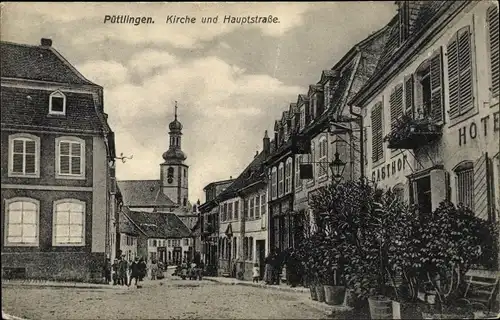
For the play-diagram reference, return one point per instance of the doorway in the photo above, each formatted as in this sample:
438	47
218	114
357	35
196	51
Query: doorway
422	194
261	256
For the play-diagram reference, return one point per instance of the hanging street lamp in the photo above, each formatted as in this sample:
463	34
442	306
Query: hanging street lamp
337	167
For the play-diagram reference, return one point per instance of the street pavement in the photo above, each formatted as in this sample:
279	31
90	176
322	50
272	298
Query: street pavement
170	298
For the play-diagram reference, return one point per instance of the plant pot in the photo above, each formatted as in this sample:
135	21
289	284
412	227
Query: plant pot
380	307
320	293
314	296
349	299
334	295
486	315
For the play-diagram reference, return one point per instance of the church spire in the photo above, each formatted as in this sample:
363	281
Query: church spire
175	114
174	152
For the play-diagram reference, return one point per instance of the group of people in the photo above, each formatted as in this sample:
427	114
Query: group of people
123	272
275	261
192	270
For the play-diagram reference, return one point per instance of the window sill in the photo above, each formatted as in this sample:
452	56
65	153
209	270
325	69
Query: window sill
56	115
378	163
463	117
63	177
20	175
31	245
68	244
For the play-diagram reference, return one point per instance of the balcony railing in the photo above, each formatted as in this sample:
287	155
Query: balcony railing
409	133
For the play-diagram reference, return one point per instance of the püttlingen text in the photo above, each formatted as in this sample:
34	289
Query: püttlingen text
126	19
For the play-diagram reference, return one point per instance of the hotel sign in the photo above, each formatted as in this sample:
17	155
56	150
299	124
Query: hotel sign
483	127
390	169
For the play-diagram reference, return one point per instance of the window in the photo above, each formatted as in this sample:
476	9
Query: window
263	204
280	179
252	208
225	212
230	211
24	155
399	191
22	222
465	183
69	222
302	118
273	183
186	242
298	181
257	207
492	22
185	173
245	248
154	243
236	210
169	243
323	145
70	159
288	175
396	104
250	248
377	133
184	202
428	87
311	160
245	208
460	73
57	103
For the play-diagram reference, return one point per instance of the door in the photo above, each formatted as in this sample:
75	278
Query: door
162	254
422	194
177	255
261	255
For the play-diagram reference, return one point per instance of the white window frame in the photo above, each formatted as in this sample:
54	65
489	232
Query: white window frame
298	181
68	139
8	202
288	176
274	183
57	94
257	207
24	137
54	218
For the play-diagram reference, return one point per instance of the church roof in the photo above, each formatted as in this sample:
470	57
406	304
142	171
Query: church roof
159	224
144	193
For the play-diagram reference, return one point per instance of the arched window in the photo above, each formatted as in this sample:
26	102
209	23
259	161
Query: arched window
22	222
69	223
24	155
464	181
57	103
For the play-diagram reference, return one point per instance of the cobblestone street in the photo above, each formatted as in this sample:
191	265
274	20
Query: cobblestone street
175	299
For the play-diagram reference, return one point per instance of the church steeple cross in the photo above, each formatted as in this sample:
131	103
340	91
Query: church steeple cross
175	114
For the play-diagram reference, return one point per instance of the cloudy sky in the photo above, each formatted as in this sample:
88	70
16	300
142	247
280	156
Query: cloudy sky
231	81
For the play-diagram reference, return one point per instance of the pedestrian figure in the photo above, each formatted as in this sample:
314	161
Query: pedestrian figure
107	271
268	272
256	273
122	271
115	267
134	271
277	266
154	270
143	269
201	269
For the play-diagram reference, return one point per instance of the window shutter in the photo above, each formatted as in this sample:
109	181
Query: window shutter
409	100
493	45
482	186
396	105
376	118
465	69
437	86
453	77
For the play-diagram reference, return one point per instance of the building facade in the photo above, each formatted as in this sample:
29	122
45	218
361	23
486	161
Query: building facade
57	159
439	78
209	221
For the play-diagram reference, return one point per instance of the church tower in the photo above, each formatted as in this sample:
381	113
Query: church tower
174	173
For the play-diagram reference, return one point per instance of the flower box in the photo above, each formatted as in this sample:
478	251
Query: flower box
411	133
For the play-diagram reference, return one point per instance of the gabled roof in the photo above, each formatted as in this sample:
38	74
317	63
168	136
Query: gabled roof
41	63
127	225
277	125
30	107
160	224
301	98
252	174
215	183
314	88
189	220
327	74
144	193
293	108
285	117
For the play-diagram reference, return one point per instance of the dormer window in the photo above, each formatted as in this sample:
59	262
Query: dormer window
57	103
404	21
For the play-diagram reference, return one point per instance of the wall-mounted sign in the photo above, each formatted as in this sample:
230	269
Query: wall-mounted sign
485	126
390	169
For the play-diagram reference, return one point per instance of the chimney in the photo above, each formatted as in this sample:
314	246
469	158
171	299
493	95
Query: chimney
46	42
266	144
256	154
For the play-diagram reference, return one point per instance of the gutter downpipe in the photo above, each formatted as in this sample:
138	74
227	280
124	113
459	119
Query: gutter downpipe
361	141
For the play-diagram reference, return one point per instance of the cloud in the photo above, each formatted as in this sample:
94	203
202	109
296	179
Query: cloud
211	95
104	73
146	61
180	35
